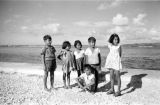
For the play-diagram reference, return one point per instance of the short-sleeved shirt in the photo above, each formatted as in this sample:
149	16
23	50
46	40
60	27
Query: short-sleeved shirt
92	57
87	78
79	54
49	53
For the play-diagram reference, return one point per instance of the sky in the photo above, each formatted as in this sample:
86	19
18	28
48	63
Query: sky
26	22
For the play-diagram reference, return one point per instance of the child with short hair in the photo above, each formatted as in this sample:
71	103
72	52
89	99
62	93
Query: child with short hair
66	55
113	63
87	80
49	61
93	58
79	57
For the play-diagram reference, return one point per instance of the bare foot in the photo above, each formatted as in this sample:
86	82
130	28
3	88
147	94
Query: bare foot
46	89
65	87
69	87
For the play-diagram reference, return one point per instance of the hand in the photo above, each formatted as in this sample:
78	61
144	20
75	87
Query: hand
72	69
44	67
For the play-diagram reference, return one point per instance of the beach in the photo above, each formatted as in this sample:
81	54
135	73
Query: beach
22	84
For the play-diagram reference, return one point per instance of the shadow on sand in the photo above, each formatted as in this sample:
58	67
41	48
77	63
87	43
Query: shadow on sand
107	86
135	83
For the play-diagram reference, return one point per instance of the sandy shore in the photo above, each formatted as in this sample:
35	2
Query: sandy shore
22	84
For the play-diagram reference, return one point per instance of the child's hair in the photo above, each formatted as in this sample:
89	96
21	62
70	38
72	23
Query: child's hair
76	42
87	66
112	38
65	44
47	37
91	39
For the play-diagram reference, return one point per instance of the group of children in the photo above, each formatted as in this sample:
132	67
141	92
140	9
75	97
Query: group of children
87	63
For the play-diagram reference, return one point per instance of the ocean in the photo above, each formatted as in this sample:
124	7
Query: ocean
143	56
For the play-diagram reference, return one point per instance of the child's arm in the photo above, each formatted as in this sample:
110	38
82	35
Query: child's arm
77	79
99	57
120	51
43	61
60	55
43	57
74	60
85	58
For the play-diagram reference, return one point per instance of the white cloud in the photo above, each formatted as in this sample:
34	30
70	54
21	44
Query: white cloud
101	24
51	28
102	6
115	3
24	28
109	4
8	21
120	20
83	23
154	31
36	29
139	19
92	24
118	29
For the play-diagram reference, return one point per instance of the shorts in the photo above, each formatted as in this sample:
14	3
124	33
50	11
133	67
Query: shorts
50	65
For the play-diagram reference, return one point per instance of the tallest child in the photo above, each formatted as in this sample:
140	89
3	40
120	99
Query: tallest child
93	58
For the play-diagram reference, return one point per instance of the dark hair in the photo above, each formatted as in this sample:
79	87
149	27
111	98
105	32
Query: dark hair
91	39
76	42
112	38
88	67
65	44
47	37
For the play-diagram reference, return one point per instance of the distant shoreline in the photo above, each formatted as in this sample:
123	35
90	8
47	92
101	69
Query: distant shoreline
125	45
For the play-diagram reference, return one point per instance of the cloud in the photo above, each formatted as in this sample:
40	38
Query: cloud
7	21
120	20
52	28
83	23
102	6
92	24
36	29
139	19
109	4
115	3
24	28
118	29
101	24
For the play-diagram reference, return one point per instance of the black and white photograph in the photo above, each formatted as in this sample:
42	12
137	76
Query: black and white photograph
79	52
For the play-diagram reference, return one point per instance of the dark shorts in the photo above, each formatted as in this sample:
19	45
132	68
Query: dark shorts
50	65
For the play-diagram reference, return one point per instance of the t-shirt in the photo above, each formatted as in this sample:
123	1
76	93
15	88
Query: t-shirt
87	78
79	54
49	52
92	57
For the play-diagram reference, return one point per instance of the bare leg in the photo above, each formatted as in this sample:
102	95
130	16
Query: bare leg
52	79
78	73
111	91
45	80
64	79
68	79
118	78
79	82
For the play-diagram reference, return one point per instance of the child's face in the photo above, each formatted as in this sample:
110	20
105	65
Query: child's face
115	41
78	46
68	48
87	71
48	42
92	44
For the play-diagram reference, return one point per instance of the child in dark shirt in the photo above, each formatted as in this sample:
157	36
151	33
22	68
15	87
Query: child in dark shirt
49	61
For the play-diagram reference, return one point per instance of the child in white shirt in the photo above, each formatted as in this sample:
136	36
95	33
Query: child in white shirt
93	58
87	80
